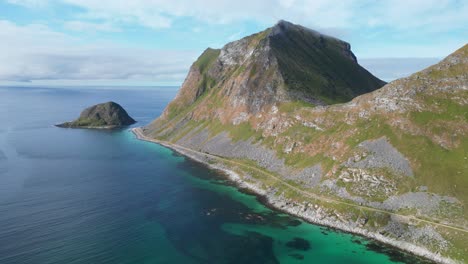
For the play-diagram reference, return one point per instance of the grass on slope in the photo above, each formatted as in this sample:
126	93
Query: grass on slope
89	122
444	109
317	67
291	107
206	59
443	171
203	63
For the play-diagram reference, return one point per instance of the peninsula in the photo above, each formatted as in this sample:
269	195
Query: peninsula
290	114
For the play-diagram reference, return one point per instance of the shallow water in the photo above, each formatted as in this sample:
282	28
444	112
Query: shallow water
91	196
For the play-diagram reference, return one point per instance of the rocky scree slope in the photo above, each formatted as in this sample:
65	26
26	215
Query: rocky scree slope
394	160
105	115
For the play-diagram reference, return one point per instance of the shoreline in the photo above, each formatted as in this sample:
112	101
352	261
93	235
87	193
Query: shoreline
90	127
295	210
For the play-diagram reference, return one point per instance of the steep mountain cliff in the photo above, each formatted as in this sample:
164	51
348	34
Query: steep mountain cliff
390	164
285	63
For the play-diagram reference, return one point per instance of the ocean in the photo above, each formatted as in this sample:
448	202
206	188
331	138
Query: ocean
97	196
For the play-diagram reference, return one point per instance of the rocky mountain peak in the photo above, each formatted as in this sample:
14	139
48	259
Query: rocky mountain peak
283	26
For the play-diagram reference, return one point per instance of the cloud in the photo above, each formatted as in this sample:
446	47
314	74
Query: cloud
35	52
397	14
430	15
395	28
94	65
90	26
29	3
157	14
146	13
389	69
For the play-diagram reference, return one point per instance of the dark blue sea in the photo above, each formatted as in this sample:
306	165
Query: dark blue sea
93	196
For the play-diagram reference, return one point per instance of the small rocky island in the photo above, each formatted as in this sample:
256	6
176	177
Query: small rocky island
101	116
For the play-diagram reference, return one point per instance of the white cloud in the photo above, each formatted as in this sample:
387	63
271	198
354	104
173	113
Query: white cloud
158	14
389	69
404	49
145	13
429	15
29	3
397	14
90	26
37	53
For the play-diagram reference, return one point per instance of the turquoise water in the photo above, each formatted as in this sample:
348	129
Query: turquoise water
89	196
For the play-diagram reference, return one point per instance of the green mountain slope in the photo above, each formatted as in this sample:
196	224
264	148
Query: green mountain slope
317	66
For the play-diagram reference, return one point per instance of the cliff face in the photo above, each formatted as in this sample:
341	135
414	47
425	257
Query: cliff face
105	115
397	156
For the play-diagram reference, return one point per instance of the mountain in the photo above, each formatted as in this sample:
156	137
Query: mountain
298	120
285	63
105	115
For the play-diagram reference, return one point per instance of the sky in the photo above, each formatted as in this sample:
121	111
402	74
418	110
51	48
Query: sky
154	42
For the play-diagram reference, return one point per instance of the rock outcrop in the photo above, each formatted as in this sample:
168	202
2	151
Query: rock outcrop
106	116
